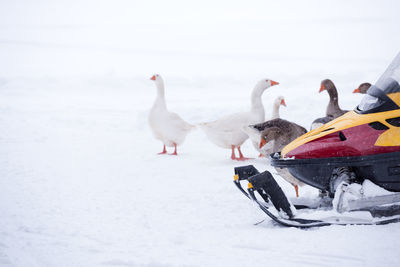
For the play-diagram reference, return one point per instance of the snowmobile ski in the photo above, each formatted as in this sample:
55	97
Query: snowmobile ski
280	209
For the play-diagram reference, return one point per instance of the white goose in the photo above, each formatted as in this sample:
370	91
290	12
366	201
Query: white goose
166	126
255	135
279	101
227	131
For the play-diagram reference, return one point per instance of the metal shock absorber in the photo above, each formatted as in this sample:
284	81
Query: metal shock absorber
341	178
341	175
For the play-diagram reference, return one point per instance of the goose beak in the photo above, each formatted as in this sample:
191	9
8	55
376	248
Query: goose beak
274	83
356	91
322	88
153	78
283	102
262	142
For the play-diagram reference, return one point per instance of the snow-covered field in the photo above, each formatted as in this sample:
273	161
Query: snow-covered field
80	181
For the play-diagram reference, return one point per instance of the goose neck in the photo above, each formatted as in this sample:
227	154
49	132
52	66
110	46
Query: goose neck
256	102
333	100
275	111
160	99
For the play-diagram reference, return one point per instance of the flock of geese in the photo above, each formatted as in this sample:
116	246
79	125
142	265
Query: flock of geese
230	132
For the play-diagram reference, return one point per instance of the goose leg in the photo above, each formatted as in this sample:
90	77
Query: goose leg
233	156
175	152
163	152
241	157
296	188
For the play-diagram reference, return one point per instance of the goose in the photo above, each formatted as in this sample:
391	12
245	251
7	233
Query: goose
279	101
168	127
226	132
332	110
276	134
362	88
254	134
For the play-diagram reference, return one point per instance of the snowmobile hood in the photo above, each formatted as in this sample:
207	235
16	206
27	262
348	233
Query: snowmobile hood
372	128
352	134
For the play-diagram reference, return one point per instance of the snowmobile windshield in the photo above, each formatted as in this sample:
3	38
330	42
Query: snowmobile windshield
376	99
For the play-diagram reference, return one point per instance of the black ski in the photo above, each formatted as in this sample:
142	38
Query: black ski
264	184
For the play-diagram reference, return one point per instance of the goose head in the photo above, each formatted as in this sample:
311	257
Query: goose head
157	79
280	100
362	88
259	89
327	85
265	83
330	87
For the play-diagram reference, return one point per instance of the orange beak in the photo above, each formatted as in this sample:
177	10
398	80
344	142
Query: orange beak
356	91
262	142
153	78
274	83
322	88
283	102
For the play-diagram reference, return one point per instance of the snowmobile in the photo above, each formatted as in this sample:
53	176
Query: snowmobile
353	160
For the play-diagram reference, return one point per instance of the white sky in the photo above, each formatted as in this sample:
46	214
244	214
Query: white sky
107	34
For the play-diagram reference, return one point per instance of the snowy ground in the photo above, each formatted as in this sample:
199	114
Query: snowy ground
80	181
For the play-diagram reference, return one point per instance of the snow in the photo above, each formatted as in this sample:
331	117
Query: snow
80	181
369	189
